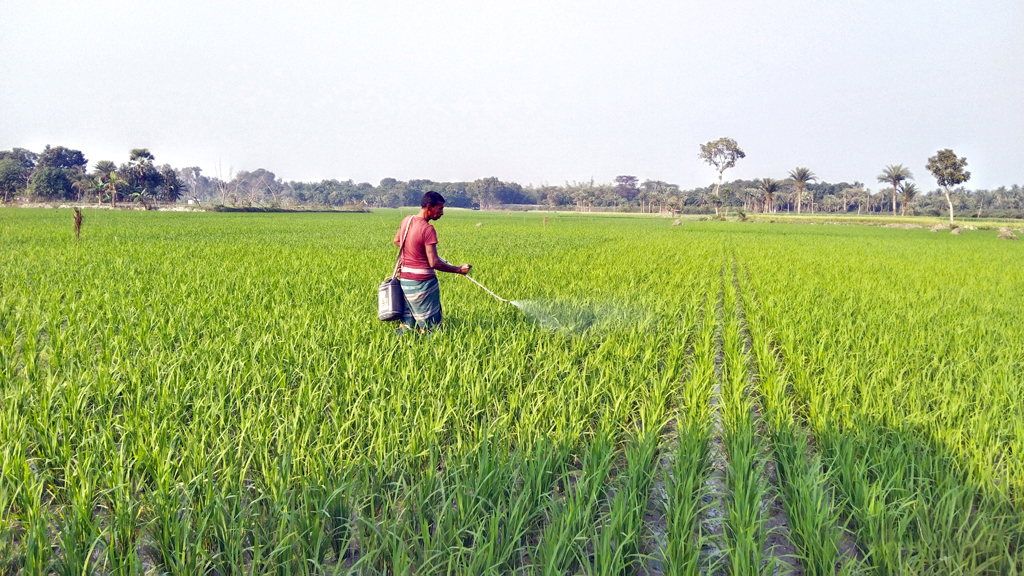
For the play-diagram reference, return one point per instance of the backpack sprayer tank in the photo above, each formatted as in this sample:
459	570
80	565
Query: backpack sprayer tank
390	300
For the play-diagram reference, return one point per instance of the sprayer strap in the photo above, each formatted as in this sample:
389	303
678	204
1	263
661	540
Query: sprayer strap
401	246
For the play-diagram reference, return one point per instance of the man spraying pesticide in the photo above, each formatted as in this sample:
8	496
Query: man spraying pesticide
413	294
417	262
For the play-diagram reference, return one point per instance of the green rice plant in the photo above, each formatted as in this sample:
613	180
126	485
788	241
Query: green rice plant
686	477
79	536
8	527
745	534
178	530
617	543
338	514
814	521
685	487
221	406
12	474
582	491
311	540
124	518
35	524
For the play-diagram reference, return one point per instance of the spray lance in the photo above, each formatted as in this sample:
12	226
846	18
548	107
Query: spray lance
488	291
545	319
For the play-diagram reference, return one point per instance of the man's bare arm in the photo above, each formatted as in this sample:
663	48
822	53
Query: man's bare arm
438	263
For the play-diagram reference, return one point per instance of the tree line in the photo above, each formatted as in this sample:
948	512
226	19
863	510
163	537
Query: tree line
63	174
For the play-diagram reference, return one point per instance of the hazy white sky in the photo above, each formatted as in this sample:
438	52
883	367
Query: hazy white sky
535	92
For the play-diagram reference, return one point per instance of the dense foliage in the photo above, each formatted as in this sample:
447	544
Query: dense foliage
201	393
24	174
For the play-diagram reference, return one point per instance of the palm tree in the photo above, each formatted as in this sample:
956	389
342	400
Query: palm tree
769	187
104	173
908	191
104	168
893	175
800	177
112	185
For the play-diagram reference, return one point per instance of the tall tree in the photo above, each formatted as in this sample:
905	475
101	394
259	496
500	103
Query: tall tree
57	170
62	158
674	199
51	183
627	187
172	187
192	177
113	186
582	193
652	191
142	177
16	166
101	175
13	177
722	154
948	170
769	187
893	175
97	186
103	170
26	158
908	193
483	191
801	177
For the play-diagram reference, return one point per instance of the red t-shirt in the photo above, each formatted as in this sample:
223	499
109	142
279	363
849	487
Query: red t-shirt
414	253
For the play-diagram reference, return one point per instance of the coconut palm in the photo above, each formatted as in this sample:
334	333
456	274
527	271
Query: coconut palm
908	192
801	177
769	187
893	175
104	168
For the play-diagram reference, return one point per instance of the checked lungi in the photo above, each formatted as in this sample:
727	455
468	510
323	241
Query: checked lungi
422	303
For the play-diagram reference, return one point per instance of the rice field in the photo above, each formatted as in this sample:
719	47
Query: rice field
201	393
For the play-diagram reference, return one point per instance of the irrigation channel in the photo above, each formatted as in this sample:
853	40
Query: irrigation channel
211	394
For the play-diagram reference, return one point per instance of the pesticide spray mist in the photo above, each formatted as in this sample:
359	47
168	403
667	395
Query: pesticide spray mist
579	317
574	317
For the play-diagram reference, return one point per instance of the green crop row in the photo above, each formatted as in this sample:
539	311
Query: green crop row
901	356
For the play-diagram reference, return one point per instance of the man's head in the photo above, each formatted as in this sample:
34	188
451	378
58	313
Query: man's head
433	203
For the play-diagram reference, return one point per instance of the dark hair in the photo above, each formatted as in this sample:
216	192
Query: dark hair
431	199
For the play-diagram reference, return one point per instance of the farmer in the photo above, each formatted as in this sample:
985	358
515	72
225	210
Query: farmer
419	261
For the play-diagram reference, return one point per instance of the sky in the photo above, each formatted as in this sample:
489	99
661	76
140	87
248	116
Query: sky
542	92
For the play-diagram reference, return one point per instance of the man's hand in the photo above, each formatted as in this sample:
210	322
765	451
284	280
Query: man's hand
464	269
